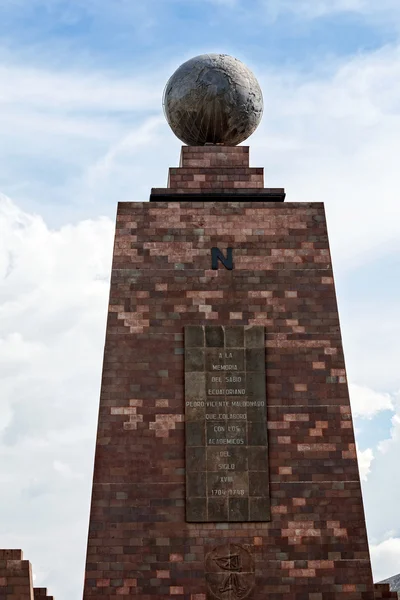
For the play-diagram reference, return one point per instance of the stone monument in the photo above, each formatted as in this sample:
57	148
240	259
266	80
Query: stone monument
16	579
225	463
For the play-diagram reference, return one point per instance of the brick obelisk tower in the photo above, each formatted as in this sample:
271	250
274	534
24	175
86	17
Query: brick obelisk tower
225	460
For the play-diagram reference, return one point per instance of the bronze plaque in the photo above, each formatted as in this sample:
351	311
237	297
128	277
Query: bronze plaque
229	571
226	424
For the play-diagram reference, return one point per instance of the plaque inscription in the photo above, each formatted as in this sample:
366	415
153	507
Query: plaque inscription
225	423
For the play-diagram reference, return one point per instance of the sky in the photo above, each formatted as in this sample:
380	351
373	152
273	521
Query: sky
81	128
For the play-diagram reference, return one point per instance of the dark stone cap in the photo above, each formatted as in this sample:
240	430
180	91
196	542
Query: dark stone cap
222	195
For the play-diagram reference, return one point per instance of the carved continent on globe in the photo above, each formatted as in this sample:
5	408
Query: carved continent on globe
213	99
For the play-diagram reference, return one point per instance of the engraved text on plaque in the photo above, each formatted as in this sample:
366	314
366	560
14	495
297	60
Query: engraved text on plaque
226	425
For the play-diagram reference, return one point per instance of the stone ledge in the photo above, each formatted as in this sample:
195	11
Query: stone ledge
222	195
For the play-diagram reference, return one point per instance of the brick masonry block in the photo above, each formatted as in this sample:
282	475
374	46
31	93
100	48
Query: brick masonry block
382	590
206	178
214	156
11	555
41	594
315	543
16	578
211	168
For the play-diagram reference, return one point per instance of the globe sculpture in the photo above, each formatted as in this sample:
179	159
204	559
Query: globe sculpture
213	99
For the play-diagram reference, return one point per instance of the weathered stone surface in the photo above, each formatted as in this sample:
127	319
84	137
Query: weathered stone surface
213	99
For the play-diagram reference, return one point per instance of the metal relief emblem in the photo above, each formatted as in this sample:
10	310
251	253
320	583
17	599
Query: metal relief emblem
229	573
217	255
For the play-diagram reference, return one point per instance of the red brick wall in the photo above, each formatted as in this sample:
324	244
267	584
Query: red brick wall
139	543
382	590
41	594
215	167
15	576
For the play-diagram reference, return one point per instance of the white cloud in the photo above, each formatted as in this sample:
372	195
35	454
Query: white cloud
367	403
367	297
385	558
121	171
387	446
379	473
53	292
313	9
38	88
365	458
61	129
334	137
66	470
381	501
